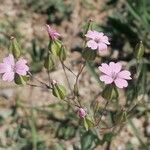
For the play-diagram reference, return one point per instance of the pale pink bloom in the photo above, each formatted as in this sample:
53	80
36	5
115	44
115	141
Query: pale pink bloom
97	40
81	112
8	68
52	33
112	74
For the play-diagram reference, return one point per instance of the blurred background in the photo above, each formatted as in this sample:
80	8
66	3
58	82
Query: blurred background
31	118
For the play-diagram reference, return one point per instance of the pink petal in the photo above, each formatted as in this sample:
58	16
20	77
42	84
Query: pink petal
102	46
106	79
8	76
91	34
9	60
4	68
21	67
104	68
22	70
105	40
81	112
53	34
56	34
100	34
121	83
124	75
115	67
21	61
92	44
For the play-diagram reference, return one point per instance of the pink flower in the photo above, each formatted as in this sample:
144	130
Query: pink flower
52	33
81	112
112	73
97	40
8	68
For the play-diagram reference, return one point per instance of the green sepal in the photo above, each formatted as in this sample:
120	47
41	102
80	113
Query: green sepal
15	48
59	91
110	92
89	54
21	80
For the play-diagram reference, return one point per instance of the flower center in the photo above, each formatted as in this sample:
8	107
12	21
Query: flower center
13	68
97	40
114	75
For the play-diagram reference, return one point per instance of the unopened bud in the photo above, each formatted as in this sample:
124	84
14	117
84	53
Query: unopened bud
62	53
139	50
81	112
49	62
15	47
88	122
120	117
58	90
54	47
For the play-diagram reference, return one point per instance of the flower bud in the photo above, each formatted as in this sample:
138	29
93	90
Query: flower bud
49	62
62	53
54	47
95	106
58	90
88	26
139	50
15	47
53	34
76	90
110	92
120	117
81	112
89	54
88	122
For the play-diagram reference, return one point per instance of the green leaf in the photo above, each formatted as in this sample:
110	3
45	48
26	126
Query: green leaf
108	136
75	147
89	140
91	68
59	146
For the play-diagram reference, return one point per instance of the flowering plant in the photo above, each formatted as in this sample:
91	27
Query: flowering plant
112	74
